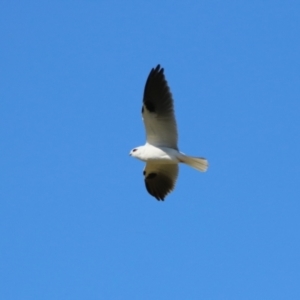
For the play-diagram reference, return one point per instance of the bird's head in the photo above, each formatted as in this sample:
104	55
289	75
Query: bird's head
136	152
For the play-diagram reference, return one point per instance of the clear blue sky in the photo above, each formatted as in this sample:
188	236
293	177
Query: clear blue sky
76	221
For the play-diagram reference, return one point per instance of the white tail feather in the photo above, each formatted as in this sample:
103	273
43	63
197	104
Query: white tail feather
198	163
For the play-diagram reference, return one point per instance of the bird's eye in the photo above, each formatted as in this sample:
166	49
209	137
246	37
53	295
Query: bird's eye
134	150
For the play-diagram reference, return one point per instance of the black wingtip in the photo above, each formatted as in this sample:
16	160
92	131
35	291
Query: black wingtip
157	69
158	198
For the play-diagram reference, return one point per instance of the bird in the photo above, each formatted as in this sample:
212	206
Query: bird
161	153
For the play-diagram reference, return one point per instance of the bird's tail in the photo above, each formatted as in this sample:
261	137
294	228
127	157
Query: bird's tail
198	163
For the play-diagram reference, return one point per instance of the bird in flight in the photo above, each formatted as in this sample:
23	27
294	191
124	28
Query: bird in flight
161	152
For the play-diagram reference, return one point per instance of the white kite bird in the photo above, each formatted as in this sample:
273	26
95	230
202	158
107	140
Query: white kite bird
161	152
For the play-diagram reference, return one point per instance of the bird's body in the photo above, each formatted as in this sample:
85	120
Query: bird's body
161	152
153	154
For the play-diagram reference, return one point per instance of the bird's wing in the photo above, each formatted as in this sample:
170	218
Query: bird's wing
158	111
160	179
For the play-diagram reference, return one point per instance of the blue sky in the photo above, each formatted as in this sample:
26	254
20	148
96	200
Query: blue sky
76	221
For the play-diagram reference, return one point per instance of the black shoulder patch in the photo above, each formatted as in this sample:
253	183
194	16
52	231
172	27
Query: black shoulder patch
142	109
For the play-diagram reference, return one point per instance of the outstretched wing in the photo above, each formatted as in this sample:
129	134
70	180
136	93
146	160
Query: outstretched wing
158	111
160	179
